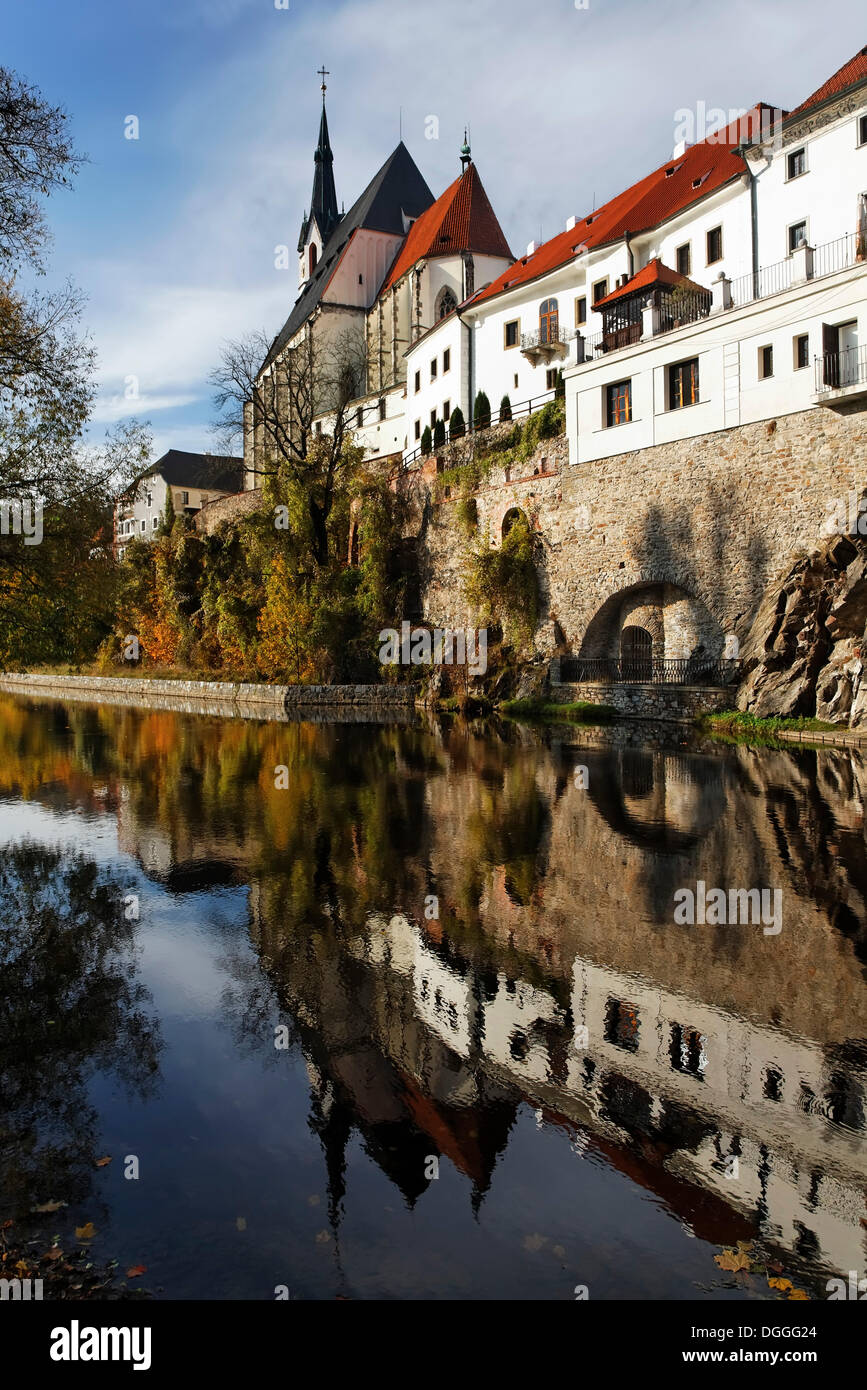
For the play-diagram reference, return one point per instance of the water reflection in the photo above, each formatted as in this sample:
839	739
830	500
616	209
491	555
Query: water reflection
719	1071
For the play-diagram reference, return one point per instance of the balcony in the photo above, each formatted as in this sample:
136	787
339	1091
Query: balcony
546	345
841	376
805	265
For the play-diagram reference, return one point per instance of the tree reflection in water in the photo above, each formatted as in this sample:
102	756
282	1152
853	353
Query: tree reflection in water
70	1007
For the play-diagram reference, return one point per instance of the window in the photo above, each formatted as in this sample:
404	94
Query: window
549	321
314	256
447	410
714	245
359	417
797	235
684	259
382	407
766	362
318	429
446	304
418	381
433	370
622	1024
418	429
796	164
155	523
600	289
510	333
516	381
143	525
862	130
433	418
150	499
185	499
683	384
686	1050
618	403
447	361
802	351
551	378
580	311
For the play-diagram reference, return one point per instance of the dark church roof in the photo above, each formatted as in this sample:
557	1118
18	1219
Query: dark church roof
222	472
323	202
396	192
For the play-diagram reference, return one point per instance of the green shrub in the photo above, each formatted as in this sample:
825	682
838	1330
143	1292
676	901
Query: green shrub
457	424
439	434
503	586
505	410
482	412
426	441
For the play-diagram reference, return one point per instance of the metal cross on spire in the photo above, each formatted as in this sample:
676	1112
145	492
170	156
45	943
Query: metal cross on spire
323	73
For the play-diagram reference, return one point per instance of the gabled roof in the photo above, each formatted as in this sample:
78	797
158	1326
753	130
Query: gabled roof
462	219
223	472
670	189
656	272
396	192
851	74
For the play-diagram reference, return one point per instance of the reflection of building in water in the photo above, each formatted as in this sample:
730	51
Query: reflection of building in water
677	1087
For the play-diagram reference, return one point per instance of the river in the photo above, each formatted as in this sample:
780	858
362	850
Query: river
402	1010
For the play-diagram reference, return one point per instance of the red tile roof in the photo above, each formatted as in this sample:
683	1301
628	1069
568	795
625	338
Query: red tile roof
670	189
461	220
654	273
849	75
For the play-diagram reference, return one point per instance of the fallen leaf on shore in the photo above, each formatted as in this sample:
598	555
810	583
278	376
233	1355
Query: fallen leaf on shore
85	1232
48	1207
782	1284
135	1271
101	1162
798	1296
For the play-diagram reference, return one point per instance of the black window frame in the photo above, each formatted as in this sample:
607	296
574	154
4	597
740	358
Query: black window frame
718	233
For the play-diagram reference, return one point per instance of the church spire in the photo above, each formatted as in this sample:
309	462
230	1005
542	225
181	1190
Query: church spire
323	207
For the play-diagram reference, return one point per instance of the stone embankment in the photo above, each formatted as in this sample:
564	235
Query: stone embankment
217	697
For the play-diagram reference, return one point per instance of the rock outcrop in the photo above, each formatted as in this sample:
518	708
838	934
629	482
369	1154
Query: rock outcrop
803	655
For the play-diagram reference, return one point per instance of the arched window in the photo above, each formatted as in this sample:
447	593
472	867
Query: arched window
446	304
549	321
314	256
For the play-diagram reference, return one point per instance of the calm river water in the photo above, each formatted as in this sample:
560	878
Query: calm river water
414	1018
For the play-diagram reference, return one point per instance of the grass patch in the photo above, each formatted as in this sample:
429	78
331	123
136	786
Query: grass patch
736	726
579	712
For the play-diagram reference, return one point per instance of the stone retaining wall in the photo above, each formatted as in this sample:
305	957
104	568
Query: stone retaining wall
678	704
227	695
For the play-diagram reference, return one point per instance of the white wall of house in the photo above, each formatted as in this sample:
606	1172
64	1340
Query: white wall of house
727	209
445	388
140	518
729	348
826	195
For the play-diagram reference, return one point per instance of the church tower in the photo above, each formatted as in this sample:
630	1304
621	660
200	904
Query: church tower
317	228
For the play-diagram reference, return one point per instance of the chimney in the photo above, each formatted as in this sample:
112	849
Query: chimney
531	249
680	149
571	223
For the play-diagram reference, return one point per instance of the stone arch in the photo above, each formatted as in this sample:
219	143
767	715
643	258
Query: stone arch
511	516
680	624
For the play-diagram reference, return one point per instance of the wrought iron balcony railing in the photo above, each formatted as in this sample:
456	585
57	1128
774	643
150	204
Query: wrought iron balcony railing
837	370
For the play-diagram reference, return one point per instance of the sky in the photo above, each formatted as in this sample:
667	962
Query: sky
172	236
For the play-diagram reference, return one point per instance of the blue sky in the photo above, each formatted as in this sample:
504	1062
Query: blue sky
172	236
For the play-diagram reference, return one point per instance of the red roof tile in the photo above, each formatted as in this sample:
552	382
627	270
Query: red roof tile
849	75
654	273
461	220
670	189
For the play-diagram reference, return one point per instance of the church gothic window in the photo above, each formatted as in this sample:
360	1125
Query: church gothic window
446	304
